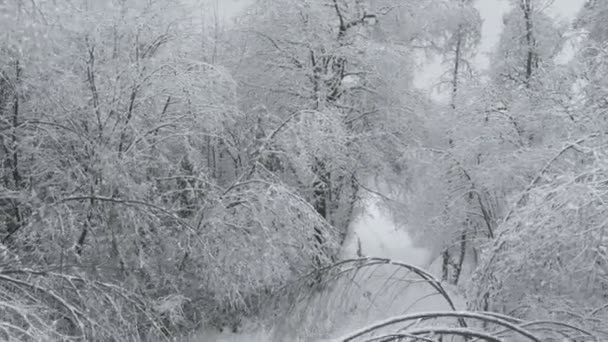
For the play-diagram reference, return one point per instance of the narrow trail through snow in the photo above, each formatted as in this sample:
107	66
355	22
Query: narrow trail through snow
373	233
379	237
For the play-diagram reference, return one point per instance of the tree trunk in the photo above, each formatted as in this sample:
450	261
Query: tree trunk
12	159
461	257
456	71
445	265
526	7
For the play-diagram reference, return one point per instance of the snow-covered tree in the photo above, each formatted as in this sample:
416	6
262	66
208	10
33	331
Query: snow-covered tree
547	259
345	62
126	159
529	42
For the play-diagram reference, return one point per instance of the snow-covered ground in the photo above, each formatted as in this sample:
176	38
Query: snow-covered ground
374	234
393	293
380	238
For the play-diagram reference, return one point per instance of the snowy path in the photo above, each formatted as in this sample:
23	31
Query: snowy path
378	237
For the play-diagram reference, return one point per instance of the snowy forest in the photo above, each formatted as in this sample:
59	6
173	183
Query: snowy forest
167	175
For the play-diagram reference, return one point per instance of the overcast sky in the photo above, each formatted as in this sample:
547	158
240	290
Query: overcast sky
230	8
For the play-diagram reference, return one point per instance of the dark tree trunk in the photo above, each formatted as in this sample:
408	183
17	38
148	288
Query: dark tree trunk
456	71
321	206
13	180
445	265
458	266
531	58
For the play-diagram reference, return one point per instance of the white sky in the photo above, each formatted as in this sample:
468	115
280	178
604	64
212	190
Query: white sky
229	8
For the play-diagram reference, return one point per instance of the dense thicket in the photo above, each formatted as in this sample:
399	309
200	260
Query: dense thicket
515	194
195	173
